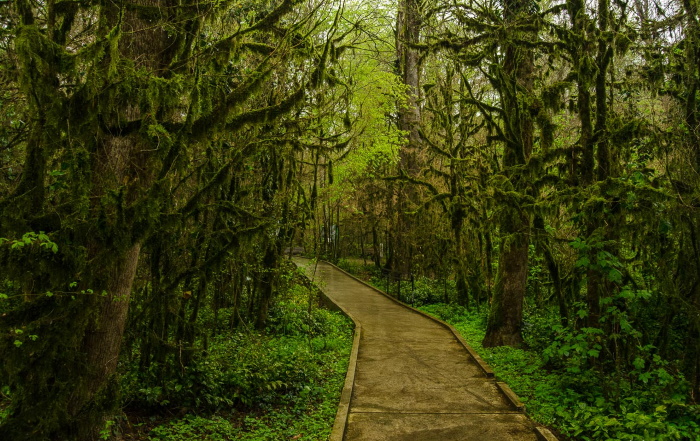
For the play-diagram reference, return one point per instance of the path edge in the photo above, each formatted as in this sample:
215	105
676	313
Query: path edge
341	416
542	433
480	361
340	425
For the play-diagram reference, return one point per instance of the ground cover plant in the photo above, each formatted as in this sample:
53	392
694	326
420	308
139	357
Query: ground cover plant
282	383
562	386
557	372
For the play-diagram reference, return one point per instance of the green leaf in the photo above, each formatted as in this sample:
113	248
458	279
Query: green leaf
583	262
627	327
578	244
614	275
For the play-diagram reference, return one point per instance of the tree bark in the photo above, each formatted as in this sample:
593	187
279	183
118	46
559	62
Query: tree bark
505	318
457	222
119	166
408	34
102	344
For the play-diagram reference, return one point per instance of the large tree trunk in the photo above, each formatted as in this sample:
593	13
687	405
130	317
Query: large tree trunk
692	84
101	346
119	166
408	29
505	318
506	315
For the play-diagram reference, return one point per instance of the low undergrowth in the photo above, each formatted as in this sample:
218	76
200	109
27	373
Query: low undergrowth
283	383
564	388
583	383
415	291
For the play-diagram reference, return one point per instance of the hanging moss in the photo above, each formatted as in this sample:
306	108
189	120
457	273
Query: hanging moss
547	129
89	98
40	341
552	95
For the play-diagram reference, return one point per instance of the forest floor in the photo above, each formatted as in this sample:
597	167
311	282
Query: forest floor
281	383
290	377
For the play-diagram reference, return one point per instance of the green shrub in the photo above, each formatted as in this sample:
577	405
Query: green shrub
422	291
282	383
246	370
566	387
293	382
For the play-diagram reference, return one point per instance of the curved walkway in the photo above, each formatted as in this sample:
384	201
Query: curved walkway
412	379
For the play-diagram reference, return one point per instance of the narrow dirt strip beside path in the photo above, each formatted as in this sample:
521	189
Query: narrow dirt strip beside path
413	379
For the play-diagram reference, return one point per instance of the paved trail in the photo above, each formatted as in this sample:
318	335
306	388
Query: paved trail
413	380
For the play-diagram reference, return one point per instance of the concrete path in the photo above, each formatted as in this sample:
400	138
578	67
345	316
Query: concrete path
413	380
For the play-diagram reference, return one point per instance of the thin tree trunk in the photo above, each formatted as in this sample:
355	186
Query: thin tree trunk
377	257
461	278
267	281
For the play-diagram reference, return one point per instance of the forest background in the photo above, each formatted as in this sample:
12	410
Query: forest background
159	157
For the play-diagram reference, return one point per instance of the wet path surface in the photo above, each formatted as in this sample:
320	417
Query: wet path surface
414	381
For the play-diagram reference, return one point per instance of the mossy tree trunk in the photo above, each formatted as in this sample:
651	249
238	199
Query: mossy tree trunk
592	55
505	317
408	27
684	177
122	165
